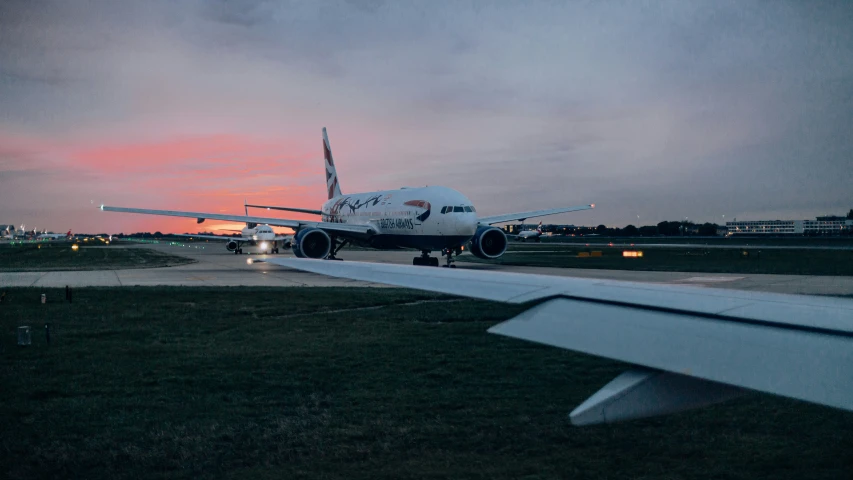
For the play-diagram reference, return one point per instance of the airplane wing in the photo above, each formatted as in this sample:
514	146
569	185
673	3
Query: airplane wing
690	346
509	217
288	209
343	228
207	237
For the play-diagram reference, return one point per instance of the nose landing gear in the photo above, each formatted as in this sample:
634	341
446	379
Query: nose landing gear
425	260
448	252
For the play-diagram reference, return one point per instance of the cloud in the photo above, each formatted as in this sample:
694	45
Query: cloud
672	108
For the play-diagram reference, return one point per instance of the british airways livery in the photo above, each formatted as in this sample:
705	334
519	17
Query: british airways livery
428	219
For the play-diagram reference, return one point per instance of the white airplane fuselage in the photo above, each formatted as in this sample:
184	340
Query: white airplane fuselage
408	217
261	233
530	234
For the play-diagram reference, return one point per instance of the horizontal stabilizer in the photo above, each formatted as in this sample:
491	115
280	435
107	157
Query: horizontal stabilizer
288	209
641	393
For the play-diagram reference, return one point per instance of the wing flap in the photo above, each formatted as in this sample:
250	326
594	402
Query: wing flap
640	393
510	217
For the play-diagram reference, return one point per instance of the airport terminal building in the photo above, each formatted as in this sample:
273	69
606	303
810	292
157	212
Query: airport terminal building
819	226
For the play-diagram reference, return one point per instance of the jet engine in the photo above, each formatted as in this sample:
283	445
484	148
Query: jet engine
231	245
488	242
311	243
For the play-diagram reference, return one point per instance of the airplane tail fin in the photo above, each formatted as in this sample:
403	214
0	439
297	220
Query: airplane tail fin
332	185
246	207
539	228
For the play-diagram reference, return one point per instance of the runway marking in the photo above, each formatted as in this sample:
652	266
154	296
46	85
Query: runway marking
710	279
373	307
200	278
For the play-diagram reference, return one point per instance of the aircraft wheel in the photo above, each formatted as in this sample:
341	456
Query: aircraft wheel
417	261
452	266
433	261
236	252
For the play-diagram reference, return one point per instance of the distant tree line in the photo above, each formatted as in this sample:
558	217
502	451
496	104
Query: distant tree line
667	229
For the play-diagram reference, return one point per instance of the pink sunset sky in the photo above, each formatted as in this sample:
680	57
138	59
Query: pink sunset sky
685	109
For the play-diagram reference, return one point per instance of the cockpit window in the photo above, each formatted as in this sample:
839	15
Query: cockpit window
443	209
458	210
468	209
473	209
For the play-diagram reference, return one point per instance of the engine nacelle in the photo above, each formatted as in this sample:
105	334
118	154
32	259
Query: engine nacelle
488	242
231	245
311	243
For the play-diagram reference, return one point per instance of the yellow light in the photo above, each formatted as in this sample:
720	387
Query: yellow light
632	253
75	247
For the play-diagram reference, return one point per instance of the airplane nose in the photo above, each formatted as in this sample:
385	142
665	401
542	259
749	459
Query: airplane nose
470	223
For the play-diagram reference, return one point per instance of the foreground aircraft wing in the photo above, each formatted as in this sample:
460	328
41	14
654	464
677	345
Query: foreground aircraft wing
510	217
288	209
691	346
276	222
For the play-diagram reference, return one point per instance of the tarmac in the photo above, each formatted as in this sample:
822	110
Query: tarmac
215	266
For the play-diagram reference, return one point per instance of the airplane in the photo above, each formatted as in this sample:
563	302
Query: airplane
261	236
690	346
531	234
430	218
55	236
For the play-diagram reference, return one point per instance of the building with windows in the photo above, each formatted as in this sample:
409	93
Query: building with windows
819	226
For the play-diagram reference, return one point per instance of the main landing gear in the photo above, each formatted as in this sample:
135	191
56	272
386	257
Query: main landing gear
238	251
336	249
425	260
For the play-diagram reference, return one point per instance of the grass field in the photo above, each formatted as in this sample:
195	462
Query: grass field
350	384
715	260
47	256
793	241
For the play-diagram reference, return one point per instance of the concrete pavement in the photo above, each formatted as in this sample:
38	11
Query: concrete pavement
217	267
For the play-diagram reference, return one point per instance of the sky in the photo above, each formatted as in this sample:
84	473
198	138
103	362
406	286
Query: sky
651	110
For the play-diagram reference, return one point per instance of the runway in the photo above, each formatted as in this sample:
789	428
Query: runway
216	267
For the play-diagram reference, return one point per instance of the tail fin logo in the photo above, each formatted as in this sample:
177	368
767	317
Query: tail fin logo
332	185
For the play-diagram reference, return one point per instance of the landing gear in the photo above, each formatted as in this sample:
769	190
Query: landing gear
447	252
238	251
425	260
336	249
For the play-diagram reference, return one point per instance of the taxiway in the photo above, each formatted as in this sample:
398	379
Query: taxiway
216	267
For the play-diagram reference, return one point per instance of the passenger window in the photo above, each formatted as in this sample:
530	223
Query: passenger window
458	210
468	209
